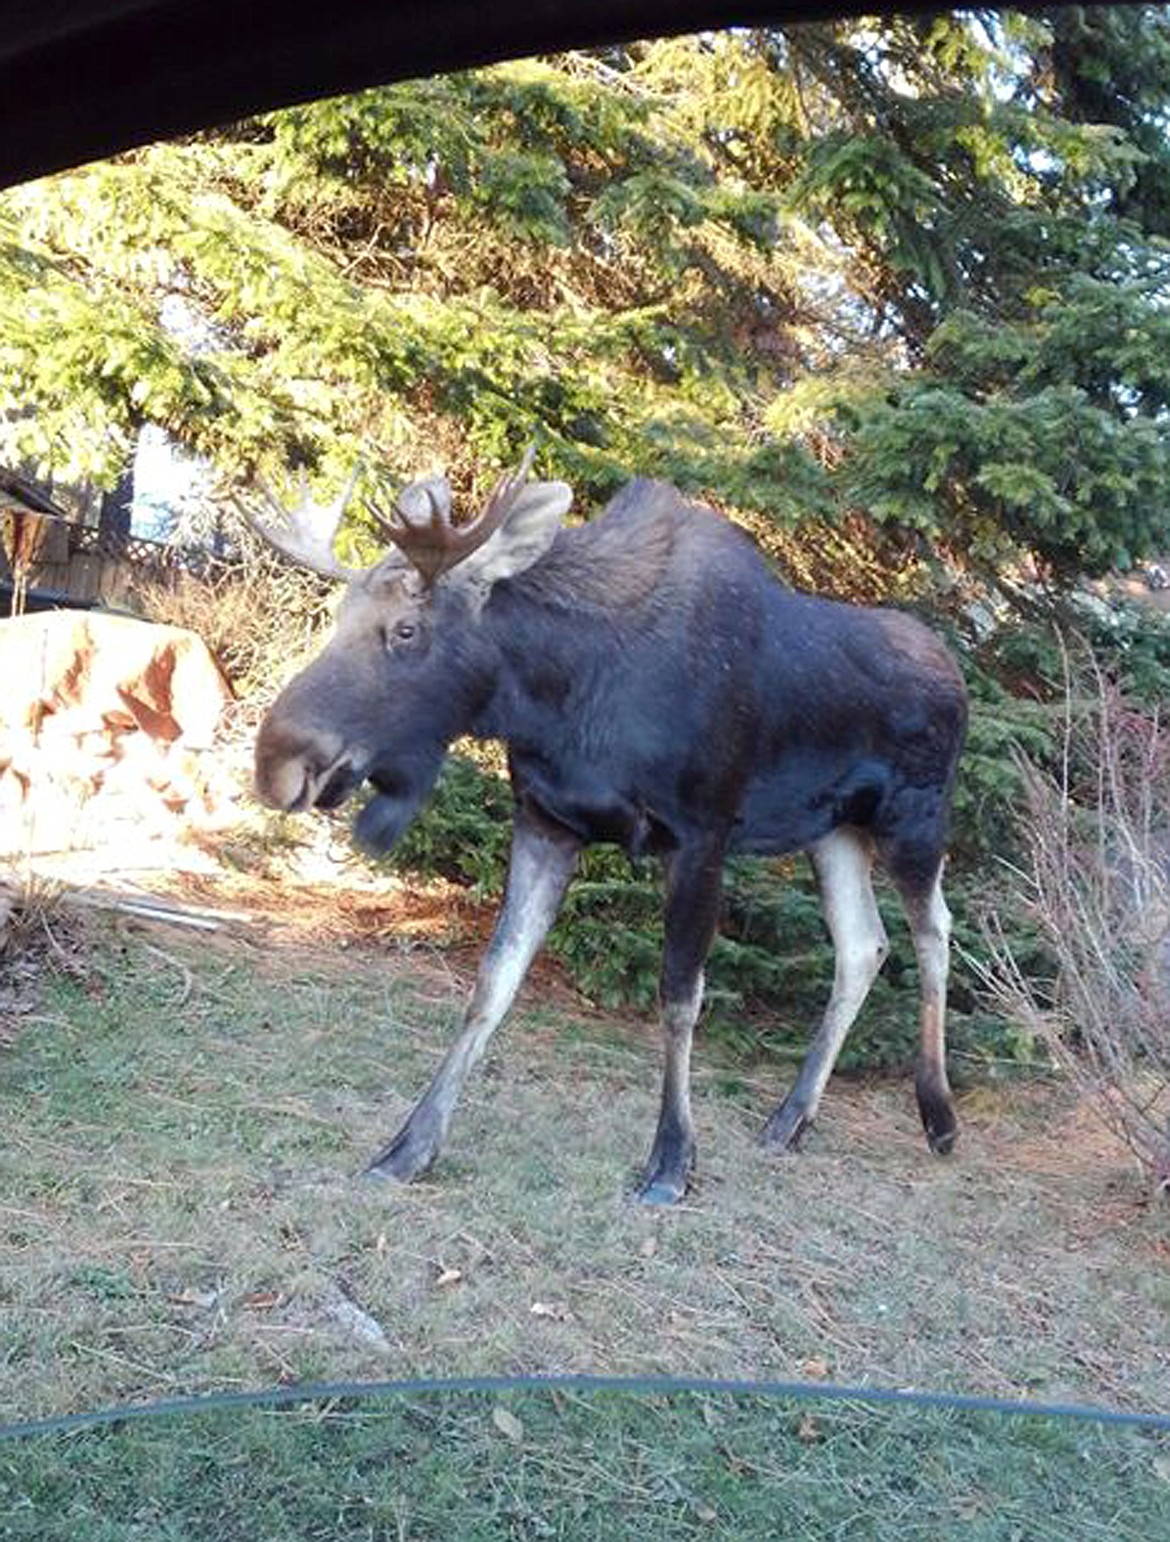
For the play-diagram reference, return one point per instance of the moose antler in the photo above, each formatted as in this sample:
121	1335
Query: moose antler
304	534
422	529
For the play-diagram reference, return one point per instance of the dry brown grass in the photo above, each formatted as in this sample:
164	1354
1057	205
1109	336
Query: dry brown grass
37	935
258	615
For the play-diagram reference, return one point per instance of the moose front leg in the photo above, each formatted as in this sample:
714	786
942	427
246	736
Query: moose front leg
543	859
693	883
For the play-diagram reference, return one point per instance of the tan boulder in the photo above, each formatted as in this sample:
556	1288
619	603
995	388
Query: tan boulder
100	717
109	671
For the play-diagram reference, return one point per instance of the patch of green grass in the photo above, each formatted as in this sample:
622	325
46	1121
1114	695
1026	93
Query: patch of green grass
536	1464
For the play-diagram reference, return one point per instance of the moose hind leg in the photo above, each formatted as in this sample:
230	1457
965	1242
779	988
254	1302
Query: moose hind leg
543	860
843	863
693	883
930	926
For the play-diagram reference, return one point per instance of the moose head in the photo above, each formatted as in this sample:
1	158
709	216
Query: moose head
406	670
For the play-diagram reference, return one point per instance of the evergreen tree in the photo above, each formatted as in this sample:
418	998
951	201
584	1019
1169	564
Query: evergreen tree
914	268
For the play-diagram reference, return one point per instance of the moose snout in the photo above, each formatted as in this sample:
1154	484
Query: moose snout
295	771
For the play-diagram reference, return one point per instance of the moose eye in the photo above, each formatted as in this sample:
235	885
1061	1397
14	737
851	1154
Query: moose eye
404	631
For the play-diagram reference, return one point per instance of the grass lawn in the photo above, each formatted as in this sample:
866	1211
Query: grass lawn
564	1465
178	1214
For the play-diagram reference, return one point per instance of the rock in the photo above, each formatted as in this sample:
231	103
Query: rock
102	719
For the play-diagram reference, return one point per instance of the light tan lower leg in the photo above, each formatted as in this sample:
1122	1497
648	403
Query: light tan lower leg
930	926
844	864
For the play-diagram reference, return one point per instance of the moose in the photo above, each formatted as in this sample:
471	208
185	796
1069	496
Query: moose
655	687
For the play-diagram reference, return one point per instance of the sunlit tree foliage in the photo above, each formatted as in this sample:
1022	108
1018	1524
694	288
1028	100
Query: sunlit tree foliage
915	268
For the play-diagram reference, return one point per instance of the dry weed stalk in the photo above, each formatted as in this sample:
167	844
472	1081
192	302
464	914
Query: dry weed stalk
259	617
257	614
35	935
1095	885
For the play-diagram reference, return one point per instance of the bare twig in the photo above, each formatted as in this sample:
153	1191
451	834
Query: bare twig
1096	889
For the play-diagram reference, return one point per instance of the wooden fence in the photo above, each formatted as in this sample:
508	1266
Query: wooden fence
76	564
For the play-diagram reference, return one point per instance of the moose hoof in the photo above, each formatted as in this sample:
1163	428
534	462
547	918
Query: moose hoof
787	1127
661	1191
941	1136
402	1160
667	1173
937	1111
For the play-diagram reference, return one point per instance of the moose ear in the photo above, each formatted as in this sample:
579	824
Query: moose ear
522	540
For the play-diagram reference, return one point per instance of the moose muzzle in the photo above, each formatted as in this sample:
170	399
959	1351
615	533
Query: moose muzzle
295	771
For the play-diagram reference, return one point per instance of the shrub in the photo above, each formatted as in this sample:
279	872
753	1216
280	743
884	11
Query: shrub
259	615
770	970
989	787
1094	886
464	834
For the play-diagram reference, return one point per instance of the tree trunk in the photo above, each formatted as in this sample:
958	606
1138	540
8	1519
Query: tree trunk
114	511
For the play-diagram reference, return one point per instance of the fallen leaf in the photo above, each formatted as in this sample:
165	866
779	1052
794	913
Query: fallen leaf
262	1300
342	1310
736	1464
507	1424
706	1514
816	1368
204	1299
649	1247
449	1277
808	1430
971	1507
557	1310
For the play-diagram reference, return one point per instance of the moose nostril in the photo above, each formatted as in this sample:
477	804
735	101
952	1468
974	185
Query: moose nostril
334	785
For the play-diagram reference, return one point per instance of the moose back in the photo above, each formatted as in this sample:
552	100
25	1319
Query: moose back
656	687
